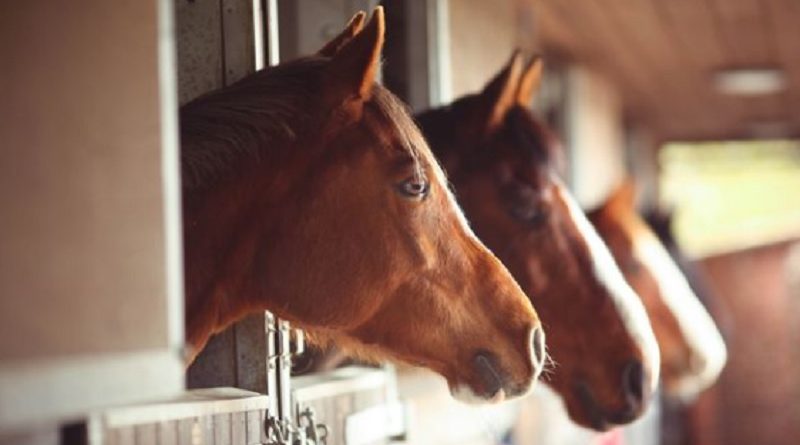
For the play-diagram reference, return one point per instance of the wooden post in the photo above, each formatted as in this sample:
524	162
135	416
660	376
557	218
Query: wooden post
220	42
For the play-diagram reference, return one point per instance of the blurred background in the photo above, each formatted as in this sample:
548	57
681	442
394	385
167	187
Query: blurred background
696	100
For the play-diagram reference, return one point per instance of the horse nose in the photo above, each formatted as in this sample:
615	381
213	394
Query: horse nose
538	352
634	382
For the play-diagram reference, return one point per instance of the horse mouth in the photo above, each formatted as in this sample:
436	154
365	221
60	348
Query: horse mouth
489	382
599	419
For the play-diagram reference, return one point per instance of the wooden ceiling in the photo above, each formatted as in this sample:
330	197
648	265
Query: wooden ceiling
662	55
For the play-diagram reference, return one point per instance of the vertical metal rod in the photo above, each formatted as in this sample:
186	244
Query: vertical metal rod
273	44
272	363
259	20
265	26
284	371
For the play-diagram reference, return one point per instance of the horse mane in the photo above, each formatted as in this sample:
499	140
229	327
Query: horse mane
264	114
261	114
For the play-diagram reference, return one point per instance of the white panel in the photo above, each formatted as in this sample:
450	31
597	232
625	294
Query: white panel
595	136
66	388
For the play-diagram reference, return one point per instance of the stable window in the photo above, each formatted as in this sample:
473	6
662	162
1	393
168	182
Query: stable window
732	195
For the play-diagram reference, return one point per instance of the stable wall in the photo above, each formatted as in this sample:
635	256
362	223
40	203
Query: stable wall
595	136
90	266
757	400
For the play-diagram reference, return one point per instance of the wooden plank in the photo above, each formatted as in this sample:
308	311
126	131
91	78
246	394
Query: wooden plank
743	26
124	436
783	16
146	434
206	427
238	39
167	433
239	428
661	56
255	427
693	30
223	430
202	402
681	86
186	432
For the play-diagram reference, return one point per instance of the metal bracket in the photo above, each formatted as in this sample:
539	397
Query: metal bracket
287	424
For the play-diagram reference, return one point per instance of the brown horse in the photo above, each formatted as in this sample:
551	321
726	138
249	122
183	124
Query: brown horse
309	192
504	165
693	352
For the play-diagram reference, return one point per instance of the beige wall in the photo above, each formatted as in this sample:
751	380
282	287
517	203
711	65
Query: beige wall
643	153
482	36
89	202
595	135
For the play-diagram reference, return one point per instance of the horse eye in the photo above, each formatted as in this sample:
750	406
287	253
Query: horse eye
414	187
529	213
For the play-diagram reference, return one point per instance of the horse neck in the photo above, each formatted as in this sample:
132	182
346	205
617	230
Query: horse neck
224	225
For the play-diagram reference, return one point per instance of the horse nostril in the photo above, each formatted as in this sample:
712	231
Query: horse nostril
538	347
486	367
633	382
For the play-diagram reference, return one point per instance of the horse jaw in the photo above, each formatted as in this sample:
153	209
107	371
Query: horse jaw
695	323
628	304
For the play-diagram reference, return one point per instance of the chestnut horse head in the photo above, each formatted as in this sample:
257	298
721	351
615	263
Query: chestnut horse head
309	192
693	352
504	165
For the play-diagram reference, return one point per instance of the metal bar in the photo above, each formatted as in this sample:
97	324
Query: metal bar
273	43
284	371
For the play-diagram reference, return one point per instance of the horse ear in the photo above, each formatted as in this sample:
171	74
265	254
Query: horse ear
530	82
499	95
353	68
624	197
353	27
